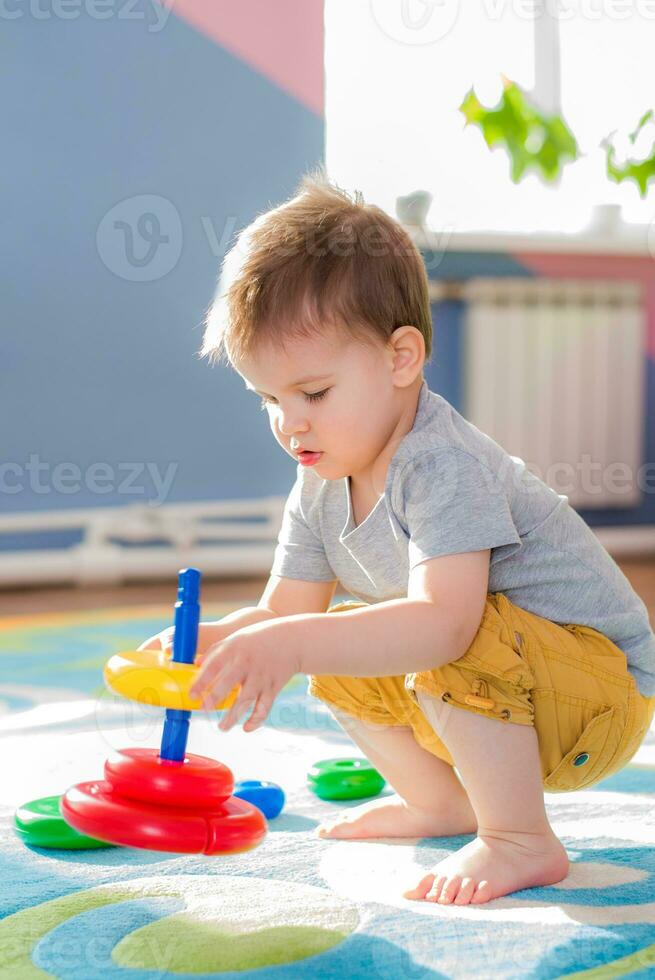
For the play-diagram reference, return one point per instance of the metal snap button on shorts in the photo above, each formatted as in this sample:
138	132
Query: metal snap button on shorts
569	681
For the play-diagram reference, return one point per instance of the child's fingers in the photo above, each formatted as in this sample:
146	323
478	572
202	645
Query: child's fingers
225	683
166	638
236	712
207	701
212	665
215	681
161	641
261	710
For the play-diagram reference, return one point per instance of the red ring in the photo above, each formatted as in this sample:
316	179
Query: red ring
140	774
183	807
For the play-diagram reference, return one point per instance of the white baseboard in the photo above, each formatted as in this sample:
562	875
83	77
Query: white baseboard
637	541
224	539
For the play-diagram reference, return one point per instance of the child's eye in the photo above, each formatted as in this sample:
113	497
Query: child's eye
314	396
317	395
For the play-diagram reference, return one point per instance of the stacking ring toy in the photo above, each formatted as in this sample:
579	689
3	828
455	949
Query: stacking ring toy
40	824
267	797
166	806
344	779
167	800
152	677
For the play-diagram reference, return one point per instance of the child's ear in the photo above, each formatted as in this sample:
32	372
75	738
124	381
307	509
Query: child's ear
408	353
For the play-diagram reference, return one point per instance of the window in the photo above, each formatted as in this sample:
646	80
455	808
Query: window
396	73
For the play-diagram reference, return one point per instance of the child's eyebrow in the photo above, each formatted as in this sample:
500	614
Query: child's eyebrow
296	384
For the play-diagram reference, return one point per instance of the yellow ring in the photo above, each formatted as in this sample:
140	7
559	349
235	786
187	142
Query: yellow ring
151	677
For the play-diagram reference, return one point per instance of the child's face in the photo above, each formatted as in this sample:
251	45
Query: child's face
353	413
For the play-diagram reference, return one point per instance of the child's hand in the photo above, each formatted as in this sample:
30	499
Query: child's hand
209	634
256	658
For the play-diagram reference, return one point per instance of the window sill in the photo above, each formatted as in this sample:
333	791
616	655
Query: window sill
636	240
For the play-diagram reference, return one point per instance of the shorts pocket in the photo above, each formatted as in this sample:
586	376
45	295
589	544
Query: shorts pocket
493	659
590	756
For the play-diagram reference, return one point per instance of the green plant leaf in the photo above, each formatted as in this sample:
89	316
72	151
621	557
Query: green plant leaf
640	125
642	172
533	140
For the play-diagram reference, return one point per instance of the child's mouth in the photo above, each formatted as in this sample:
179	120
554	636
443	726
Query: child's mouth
308	459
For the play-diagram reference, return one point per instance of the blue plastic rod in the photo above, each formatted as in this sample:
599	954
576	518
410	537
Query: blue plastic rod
185	640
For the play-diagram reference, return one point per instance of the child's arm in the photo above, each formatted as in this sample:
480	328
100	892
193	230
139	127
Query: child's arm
281	597
399	636
434	625
291	596
212	633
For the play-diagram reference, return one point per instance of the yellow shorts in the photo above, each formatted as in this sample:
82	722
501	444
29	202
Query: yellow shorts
570	682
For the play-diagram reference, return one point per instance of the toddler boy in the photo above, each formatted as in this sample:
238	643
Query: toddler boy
495	649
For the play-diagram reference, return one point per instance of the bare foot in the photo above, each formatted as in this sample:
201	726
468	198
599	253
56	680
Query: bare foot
391	816
494	864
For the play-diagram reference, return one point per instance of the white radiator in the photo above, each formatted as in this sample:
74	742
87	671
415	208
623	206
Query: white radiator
554	371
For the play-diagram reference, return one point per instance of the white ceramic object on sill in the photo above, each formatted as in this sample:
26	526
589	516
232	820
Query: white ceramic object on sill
413	208
606	219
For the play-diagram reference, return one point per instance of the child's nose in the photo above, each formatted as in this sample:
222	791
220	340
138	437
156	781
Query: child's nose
292	426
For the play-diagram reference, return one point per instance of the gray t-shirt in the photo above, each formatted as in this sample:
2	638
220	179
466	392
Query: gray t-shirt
450	488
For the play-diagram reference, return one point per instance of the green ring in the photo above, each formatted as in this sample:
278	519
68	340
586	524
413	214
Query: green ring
40	824
344	779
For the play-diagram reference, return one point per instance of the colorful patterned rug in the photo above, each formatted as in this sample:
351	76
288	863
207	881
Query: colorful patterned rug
296	906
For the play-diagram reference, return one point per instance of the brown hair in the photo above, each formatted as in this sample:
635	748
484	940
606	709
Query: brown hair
322	259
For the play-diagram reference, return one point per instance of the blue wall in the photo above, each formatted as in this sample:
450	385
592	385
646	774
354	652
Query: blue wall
97	367
149	124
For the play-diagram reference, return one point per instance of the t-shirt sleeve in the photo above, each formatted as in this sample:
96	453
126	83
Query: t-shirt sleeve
454	503
299	552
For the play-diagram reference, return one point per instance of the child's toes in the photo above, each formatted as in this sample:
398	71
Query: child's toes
466	891
328	830
420	890
483	893
450	890
438	887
